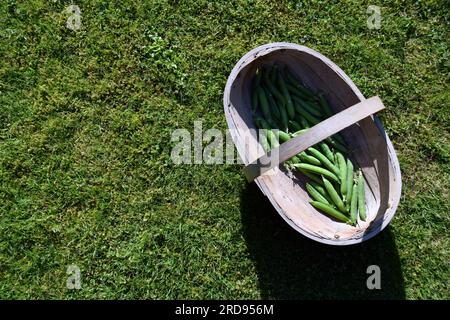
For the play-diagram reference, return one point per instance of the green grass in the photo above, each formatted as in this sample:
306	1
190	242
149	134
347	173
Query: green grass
86	176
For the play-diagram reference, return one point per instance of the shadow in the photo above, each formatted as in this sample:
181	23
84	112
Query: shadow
291	266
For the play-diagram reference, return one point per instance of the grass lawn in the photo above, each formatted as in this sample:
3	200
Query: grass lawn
86	176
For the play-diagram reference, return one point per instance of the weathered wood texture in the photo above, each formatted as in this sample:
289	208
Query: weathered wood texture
370	147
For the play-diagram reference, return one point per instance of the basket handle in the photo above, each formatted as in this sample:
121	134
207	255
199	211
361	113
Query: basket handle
312	136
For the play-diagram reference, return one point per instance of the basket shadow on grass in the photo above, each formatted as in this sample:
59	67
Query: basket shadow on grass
291	266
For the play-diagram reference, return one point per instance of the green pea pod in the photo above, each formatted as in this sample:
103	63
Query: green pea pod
331	211
314	109
349	180
311	109
299	132
264	103
305	91
316	194
283	136
336	145
309	117
284	118
275	110
318	170
288	164
334	195
354	204
289	104
265	123
268	124
322	191
327	151
273	124
273	140
324	104
296	83
300	120
308	159
343	174
273	106
319	187
275	92
311	175
361	197
325	161
308	107
295	160
262	123
305	124
294	125
311	124
295	92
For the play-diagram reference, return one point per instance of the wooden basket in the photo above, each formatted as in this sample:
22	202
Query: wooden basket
370	147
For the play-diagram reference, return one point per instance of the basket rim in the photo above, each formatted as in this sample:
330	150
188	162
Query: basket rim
264	49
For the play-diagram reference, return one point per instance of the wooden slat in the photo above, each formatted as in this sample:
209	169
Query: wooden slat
312	136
